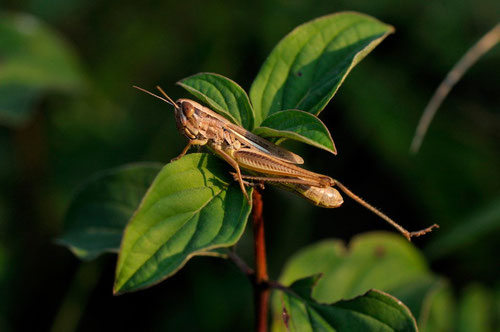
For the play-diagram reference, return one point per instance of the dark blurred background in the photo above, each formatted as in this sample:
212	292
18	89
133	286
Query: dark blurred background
55	133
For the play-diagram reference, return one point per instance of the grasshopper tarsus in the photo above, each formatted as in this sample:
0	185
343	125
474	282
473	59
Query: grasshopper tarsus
423	231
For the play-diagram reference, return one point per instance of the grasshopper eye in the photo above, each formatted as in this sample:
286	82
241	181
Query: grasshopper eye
187	109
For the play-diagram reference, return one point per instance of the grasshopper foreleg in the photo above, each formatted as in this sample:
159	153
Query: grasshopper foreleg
190	143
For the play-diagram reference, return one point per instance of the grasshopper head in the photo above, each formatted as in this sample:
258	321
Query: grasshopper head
187	117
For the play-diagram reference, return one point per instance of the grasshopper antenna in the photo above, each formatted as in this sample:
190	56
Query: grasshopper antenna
406	234
163	93
168	100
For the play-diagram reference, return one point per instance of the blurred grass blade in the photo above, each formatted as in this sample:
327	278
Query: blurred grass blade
223	95
372	311
470	230
189	209
489	40
101	209
297	125
34	60
307	67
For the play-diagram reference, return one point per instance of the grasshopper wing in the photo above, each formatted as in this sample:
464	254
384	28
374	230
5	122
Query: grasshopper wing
265	146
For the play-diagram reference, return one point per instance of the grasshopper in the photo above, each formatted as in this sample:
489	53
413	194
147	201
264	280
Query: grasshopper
265	161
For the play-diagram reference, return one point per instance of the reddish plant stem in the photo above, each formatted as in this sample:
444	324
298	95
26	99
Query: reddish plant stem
261	286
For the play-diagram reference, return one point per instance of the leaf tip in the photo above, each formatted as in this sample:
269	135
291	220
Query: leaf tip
118	289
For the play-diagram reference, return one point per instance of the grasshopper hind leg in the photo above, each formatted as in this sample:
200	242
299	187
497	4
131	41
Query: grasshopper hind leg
253	184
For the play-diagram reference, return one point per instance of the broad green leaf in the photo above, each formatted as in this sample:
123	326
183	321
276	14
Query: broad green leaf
223	95
372	311
101	209
188	210
297	125
307	67
372	261
34	60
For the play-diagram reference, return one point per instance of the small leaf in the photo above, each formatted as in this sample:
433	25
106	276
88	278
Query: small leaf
297	125
189	209
34	60
223	95
307	67
373	311
100	211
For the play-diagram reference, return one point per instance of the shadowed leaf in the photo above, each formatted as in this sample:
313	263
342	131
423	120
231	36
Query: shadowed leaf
100	211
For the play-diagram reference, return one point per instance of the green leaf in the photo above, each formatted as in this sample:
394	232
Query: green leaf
101	209
476	311
189	209
34	60
307	67
223	95
373	311
376	260
441	313
373	260
419	294
297	125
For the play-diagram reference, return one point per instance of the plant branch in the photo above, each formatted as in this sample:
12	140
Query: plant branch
242	265
261	286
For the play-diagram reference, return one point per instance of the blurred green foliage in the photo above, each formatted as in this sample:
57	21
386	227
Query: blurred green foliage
86	118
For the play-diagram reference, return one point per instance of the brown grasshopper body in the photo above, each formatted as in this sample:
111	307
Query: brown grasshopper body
242	149
266	161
